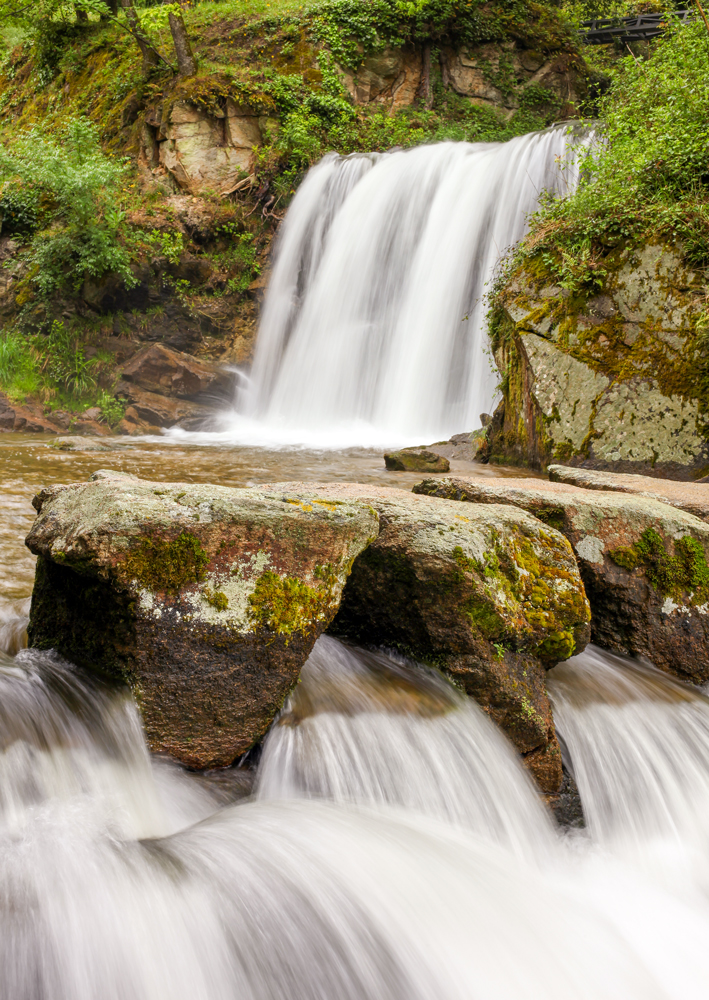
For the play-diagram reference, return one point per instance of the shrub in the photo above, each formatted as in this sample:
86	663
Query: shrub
647	176
77	182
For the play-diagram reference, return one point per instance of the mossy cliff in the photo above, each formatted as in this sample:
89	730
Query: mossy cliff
612	376
213	159
205	600
599	320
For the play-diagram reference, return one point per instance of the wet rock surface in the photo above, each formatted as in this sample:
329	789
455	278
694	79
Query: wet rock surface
489	595
416	460
691	497
643	563
205	600
164	388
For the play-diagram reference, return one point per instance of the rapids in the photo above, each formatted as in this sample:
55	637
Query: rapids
394	848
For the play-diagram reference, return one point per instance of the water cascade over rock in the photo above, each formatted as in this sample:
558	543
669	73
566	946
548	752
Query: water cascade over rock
374	322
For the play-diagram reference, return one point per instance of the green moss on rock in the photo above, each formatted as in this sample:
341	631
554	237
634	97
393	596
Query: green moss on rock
284	605
684	574
168	566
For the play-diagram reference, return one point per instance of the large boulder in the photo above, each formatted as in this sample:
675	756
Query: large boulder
156	368
643	563
205	600
489	595
605	378
692	497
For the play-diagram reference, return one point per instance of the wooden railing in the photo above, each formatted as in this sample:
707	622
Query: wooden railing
603	30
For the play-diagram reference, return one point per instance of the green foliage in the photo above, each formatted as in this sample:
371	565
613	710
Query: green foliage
647	176
75	182
19	371
112	409
19	207
66	364
168	244
54	366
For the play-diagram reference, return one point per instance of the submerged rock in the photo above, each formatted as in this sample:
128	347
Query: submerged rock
205	600
72	442
643	563
692	497
416	460
489	595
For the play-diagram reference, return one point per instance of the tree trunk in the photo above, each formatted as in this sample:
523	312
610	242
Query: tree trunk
186	62
149	54
112	8
81	16
425	92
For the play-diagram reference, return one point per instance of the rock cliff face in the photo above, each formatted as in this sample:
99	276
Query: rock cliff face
613	379
643	563
205	600
200	150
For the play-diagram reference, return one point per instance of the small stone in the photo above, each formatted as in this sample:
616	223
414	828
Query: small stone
416	460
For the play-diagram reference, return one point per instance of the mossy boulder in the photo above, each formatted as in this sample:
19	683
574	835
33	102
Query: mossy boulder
611	377
205	600
489	595
416	460
644	563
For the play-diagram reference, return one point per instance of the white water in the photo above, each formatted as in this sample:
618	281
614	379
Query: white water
405	858
373	329
367	728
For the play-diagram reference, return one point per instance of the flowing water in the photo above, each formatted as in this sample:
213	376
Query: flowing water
374	324
394	848
388	844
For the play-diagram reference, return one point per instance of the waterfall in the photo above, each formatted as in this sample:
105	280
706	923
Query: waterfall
394	850
374	324
372	729
638	742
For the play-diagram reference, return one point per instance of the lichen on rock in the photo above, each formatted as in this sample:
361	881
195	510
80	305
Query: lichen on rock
490	596
206	600
643	563
610	377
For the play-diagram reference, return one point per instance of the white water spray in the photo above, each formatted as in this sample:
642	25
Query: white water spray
373	328
372	729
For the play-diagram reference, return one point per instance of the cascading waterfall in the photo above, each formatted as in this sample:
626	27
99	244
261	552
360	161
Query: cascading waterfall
373	329
395	849
625	718
367	728
261	900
